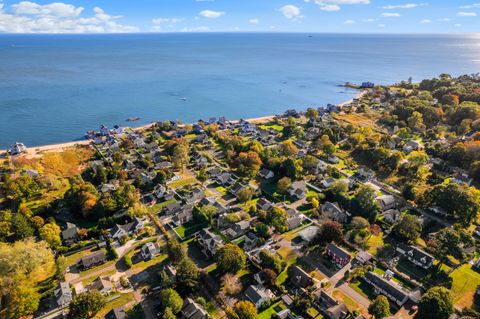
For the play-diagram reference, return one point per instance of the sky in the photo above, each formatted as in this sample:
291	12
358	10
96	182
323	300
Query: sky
342	16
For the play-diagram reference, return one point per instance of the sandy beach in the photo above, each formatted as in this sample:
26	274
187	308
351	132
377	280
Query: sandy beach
36	150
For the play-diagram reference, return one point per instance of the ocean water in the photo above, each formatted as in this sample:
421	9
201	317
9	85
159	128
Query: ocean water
55	87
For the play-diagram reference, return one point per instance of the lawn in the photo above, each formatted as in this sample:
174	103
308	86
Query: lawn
290	258
157	260
222	190
276	127
363	288
351	304
74	258
272	310
159	206
94	269
120	301
465	282
188	229
374	243
184	180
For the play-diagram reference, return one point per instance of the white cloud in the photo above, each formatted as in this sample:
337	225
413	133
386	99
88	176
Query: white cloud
290	11
425	21
211	14
334	5
470	6
57	17
467	14
56	9
196	29
381	26
368	20
160	23
254	21
390	15
445	20
404	6
349	22
329	7
458	25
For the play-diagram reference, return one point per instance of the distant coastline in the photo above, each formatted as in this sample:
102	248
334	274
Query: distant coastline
36	150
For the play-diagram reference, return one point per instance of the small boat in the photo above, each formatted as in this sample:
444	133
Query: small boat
183	98
133	119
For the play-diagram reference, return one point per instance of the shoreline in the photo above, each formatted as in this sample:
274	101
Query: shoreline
36	150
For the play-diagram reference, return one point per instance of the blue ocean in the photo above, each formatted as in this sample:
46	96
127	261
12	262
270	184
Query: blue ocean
55	87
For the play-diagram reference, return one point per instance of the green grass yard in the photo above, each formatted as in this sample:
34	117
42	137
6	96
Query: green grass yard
465	282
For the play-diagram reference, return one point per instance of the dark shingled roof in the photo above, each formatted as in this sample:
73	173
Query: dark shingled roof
392	288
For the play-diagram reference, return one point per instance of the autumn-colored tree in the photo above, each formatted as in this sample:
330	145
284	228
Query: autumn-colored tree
231	284
51	234
243	310
287	148
230	259
283	184
249	163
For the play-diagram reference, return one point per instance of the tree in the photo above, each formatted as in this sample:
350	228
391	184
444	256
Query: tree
436	303
359	223
287	148
138	210
180	156
270	277
331	231
171	299
408	228
86	305
249	163
21	227
364	203
243	310
283	184
175	251
314	202
51	234
325	144
188	274
311	113
245	194
168	314
380	307
230	259
61	267
271	261
23	264
231	284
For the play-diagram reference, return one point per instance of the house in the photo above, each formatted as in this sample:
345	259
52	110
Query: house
339	311
389	288
363	257
386	202
333	159
321	167
238	229
102	284
70	234
299	278
298	189
367	85
196	195
264	204
412	145
462	179
416	256
295	221
192	310
251	241
93	260
309	233
18	148
150	250
117	313
258	295
392	216
162	192
364	174
334	212
183	216
172	208
339	256
209	242
128	229
326	183
63	294
224	179
266	173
